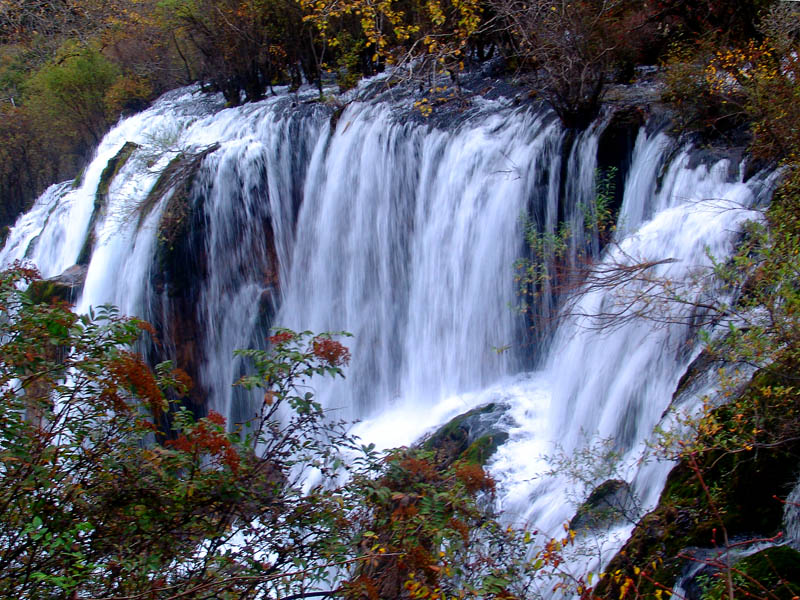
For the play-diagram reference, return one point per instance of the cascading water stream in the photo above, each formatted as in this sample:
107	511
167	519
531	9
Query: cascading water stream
707	561
406	239
616	383
405	235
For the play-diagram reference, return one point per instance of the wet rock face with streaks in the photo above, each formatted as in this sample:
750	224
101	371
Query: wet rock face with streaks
180	269
609	503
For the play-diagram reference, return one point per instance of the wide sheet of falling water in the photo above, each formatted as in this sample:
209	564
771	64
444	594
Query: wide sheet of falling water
405	235
608	389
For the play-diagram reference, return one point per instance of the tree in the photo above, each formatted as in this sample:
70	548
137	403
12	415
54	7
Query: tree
245	46
731	21
26	164
71	90
417	37
570	48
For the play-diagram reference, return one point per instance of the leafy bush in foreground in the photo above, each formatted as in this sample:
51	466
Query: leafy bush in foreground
97	502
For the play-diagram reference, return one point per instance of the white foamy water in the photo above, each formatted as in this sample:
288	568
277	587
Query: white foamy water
405	235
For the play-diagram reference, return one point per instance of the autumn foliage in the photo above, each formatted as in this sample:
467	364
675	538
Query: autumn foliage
207	439
70	69
91	504
110	487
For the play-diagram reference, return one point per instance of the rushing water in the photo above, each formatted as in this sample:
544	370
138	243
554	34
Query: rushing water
404	235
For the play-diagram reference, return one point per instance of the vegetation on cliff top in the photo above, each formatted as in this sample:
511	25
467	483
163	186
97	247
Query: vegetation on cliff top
69	69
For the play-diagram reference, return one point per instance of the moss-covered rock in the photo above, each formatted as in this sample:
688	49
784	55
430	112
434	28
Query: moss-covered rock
771	573
165	181
778	569
745	461
44	291
78	181
111	170
744	488
610	502
65	287
482	449
473	436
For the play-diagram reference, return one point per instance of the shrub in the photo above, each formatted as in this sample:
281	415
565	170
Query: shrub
128	94
91	505
570	49
97	501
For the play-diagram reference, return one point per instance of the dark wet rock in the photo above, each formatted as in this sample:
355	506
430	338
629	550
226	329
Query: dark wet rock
610	502
693	380
615	148
710	155
336	115
473	436
176	179
179	271
66	286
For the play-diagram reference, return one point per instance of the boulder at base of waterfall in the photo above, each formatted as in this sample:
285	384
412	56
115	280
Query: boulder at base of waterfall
473	436
64	287
610	502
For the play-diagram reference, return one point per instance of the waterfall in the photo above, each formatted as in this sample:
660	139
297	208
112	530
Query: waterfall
406	238
616	383
371	220
791	518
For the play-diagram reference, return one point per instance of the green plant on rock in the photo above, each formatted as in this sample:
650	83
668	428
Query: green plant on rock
558	260
600	216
